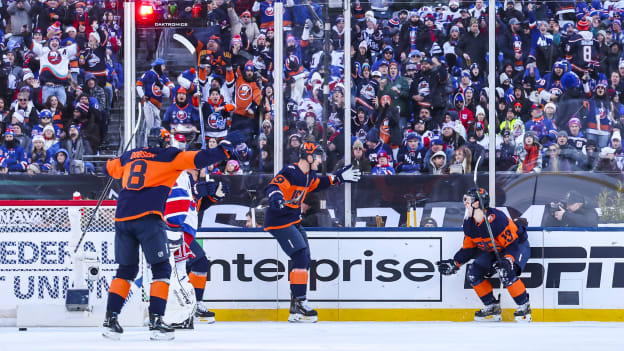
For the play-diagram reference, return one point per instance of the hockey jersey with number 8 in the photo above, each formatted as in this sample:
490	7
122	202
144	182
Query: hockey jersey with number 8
147	175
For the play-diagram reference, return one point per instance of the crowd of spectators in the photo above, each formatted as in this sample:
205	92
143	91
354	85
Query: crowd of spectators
420	90
59	78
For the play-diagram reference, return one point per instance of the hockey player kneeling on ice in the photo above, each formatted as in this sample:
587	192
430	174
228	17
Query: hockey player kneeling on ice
186	198
147	175
282	218
513	247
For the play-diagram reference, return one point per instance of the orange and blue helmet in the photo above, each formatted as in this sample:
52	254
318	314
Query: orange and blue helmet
310	149
479	194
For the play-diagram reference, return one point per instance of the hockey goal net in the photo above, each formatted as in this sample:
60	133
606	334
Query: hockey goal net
37	241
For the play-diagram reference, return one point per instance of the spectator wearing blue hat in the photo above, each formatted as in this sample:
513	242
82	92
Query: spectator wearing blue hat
411	155
12	154
374	144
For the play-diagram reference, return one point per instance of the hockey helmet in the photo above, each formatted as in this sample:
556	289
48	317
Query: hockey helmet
479	194
158	137
311	149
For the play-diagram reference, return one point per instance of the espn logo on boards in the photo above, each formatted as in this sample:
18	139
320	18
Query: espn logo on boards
391	269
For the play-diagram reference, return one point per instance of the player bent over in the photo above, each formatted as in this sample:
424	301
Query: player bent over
181	209
514	250
282	218
147	175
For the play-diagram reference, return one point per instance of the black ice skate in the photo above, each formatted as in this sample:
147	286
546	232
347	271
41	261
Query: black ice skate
523	313
489	313
187	324
204	314
112	328
160	330
300	311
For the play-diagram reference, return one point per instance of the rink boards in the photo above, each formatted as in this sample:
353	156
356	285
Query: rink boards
356	274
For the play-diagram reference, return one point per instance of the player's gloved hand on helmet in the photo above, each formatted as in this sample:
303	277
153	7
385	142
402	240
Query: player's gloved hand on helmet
226	146
347	174
277	201
447	267
223	189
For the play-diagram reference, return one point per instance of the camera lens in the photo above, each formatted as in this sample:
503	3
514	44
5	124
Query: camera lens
94	271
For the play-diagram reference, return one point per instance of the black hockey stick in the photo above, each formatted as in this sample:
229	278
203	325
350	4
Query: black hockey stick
487	223
109	183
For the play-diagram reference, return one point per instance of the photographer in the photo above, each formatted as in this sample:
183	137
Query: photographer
573	211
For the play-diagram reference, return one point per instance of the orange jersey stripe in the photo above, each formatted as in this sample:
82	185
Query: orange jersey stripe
282	226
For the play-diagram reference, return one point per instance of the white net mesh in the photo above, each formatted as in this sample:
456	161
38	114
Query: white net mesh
45	219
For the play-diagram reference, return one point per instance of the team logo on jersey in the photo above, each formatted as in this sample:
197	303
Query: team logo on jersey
181	115
491	217
269	11
216	121
556	91
423	88
54	57
243	92
93	60
156	90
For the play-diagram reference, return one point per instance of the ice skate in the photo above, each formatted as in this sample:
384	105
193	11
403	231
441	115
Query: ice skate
112	329
204	314
489	313
523	313
301	312
160	330
187	324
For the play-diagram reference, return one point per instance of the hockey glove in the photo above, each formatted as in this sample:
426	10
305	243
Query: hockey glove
277	202
505	269
347	174
223	189
203	189
447	267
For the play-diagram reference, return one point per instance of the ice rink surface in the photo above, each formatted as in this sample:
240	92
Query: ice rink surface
360	336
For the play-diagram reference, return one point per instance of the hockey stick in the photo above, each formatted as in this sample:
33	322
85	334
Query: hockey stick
189	46
110	182
487	223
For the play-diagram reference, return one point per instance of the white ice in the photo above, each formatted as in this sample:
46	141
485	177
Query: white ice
343	336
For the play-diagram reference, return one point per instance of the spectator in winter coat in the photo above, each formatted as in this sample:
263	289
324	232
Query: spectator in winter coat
383	166
436	163
37	160
529	154
553	162
411	156
461	162
12	154
61	164
20	17
505	157
607	162
357	159
76	147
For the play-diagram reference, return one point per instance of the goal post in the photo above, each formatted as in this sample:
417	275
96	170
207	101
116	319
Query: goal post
37	265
